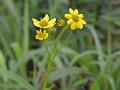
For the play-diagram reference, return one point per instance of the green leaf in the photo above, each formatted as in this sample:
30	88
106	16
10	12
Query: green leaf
2	60
70	52
17	50
66	72
82	55
12	9
27	56
58	62
111	81
96	85
115	20
12	76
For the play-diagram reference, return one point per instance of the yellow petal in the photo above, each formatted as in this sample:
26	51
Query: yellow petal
51	23
73	26
40	38
80	15
70	21
37	32
46	36
80	25
36	36
48	26
83	21
75	12
46	17
40	31
44	31
52	20
67	16
36	22
71	11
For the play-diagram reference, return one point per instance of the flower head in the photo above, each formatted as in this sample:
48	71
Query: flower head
41	35
75	19
61	22
44	22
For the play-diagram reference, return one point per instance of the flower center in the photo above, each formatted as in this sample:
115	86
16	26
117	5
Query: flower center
75	18
41	35
43	23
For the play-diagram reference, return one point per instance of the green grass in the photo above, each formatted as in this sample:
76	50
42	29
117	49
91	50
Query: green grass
89	60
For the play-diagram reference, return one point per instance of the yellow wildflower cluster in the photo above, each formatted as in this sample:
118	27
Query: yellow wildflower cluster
75	20
43	24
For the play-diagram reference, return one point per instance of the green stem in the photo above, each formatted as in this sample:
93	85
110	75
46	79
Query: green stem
46	46
25	33
57	50
26	26
60	35
109	45
55	47
58	39
64	43
46	78
50	62
109	49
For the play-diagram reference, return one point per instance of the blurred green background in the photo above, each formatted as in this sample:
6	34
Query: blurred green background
89	61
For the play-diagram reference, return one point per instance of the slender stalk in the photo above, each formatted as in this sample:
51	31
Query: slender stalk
64	43
109	45
25	33
58	39
47	76
46	46
26	26
60	35
57	50
51	59
109	50
55	47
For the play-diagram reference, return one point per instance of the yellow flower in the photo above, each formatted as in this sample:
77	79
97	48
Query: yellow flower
41	35
75	19
44	22
61	22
